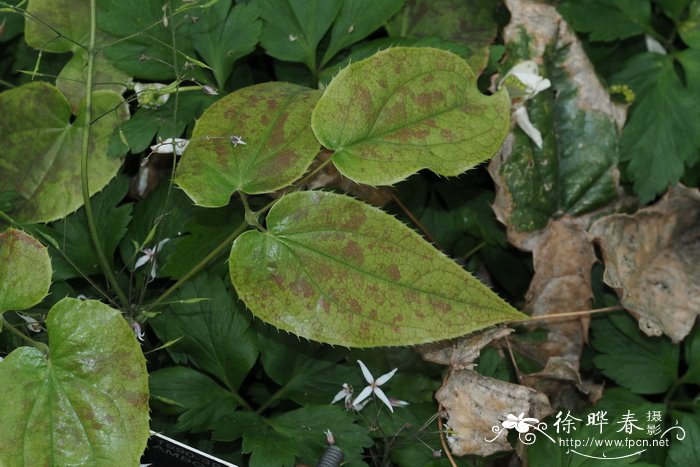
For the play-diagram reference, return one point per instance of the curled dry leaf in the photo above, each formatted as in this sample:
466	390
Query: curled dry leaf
460	353
652	260
475	404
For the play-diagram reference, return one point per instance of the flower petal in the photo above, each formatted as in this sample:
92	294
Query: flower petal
362	396
385	377
382	397
161	243
368	376
340	396
141	261
523	120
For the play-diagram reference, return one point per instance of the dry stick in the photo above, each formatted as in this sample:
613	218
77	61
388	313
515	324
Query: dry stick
441	430
571	314
518	373
417	223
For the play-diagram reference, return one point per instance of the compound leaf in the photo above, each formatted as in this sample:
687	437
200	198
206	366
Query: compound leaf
336	270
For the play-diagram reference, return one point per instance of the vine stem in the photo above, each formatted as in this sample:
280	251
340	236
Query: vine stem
199	266
40	346
101	258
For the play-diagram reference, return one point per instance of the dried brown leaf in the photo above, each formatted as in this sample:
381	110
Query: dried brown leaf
652	260
476	404
461	353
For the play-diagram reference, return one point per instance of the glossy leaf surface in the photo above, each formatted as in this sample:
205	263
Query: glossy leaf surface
272	121
336	270
41	159
405	109
25	271
84	404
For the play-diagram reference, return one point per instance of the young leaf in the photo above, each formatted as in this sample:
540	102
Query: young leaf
42	149
293	28
358	19
223	34
207	330
86	402
336	270
256	140
405	109
25	271
645	365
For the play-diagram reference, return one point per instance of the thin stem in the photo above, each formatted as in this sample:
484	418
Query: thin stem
571	314
101	258
416	222
199	266
311	174
40	346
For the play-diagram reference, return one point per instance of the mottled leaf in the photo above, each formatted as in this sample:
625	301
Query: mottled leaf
275	145
68	17
356	20
336	270
575	170
25	271
86	403
470	23
294	28
42	148
405	109
223	34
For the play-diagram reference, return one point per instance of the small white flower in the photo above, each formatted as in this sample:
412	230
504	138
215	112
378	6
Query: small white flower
654	46
236	140
373	387
138	331
150	257
166	146
521	424
330	439
32	324
346	394
527	74
398	403
148	97
292	38
210	90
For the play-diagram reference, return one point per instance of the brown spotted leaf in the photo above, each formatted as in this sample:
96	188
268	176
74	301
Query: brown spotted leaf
256	140
86	402
336	270
476	406
652	260
405	109
25	271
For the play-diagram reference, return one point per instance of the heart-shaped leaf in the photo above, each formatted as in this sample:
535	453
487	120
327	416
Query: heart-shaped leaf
406	109
336	270
256	140
41	149
25	271
84	404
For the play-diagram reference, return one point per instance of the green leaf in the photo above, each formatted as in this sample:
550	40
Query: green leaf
72	79
608	20
673	8
207	330
272	119
12	22
689	29
72	234
692	357
356	20
644	365
84	404
336	270
405	109
660	138
470	23
68	17
575	171
294	28
25	271
144	48
299	434
198	400
206	230
42	148
224	34
685	451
